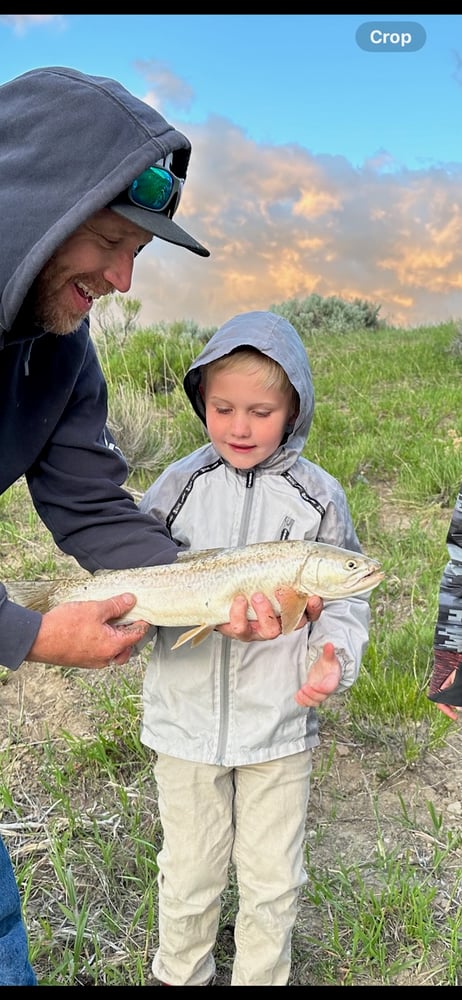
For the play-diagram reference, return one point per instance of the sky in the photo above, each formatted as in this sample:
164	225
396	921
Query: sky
326	153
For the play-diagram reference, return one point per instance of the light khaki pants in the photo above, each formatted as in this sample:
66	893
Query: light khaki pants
253	817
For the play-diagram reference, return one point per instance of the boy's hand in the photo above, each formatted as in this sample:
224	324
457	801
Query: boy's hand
267	624
323	679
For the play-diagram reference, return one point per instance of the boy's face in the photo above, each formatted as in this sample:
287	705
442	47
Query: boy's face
245	422
95	260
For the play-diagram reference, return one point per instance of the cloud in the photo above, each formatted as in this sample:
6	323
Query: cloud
21	23
282	223
166	87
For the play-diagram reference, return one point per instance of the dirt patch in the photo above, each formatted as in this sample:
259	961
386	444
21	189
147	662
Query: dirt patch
37	700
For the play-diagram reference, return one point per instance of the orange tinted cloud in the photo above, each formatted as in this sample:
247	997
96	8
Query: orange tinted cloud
283	223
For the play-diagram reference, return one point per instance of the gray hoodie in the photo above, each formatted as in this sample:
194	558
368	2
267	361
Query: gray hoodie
224	701
70	144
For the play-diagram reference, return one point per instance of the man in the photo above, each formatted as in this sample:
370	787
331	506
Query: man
88	175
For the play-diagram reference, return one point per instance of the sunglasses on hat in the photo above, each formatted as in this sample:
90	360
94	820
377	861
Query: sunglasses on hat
156	189
151	201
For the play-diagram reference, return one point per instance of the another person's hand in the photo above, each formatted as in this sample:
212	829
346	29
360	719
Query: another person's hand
323	679
267	625
86	634
447	669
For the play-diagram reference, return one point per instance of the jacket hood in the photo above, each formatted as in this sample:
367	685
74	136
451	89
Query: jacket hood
71	144
278	339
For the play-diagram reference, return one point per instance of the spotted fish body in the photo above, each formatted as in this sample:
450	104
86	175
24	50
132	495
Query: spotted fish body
199	587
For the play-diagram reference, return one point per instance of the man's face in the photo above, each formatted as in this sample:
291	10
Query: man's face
96	260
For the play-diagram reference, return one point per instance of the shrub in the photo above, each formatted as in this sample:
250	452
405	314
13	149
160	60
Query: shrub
330	315
151	436
154	359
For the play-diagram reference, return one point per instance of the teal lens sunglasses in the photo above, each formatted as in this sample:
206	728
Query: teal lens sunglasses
156	189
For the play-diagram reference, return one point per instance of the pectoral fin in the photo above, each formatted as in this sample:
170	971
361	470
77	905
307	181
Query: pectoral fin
196	635
293	606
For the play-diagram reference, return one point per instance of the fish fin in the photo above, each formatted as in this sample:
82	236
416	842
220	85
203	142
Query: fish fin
196	634
293	606
31	594
197	639
195	554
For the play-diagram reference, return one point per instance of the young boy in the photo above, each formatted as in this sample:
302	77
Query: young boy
234	724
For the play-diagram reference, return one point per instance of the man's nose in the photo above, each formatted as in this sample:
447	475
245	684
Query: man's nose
120	272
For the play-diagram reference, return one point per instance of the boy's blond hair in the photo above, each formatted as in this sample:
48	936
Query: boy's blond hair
250	361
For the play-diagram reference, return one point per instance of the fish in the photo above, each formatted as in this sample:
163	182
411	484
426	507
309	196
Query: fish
197	590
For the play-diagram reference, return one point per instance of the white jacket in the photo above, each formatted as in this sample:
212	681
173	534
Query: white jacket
225	701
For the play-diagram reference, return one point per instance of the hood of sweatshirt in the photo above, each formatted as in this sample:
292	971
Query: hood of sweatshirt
278	339
71	144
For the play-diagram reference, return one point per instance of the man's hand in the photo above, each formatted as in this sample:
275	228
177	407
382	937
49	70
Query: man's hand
86	634
323	678
447	671
267	625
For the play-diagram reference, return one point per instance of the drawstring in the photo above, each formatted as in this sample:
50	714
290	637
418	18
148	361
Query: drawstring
26	362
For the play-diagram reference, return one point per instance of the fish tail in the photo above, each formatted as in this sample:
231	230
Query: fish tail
30	594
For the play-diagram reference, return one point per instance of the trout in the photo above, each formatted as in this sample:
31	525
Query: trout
199	587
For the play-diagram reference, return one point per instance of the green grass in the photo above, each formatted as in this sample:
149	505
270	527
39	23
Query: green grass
383	901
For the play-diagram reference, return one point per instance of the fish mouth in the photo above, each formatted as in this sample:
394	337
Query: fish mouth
367	582
374	577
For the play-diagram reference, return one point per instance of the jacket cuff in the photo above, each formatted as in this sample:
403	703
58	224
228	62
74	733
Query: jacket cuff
18	630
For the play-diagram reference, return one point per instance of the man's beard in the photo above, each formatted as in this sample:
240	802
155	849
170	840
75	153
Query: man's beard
49	316
42	308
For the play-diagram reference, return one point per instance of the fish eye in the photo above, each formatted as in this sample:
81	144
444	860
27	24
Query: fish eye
351	563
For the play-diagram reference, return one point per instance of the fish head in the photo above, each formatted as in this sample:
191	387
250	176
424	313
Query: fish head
333	573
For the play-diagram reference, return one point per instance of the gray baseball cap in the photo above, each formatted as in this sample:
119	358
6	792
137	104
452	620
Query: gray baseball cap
151	201
158	224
